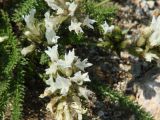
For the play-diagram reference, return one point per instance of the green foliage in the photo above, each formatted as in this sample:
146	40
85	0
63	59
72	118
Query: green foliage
18	94
100	11
14	88
23	8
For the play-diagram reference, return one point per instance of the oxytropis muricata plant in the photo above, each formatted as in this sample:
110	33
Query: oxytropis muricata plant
65	75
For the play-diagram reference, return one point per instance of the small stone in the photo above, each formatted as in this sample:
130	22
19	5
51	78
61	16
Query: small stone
125	67
136	2
124	55
100	113
158	2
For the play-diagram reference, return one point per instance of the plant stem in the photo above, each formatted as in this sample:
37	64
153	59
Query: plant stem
101	3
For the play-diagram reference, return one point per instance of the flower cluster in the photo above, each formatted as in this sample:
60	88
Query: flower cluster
155	37
66	77
33	32
64	11
150	38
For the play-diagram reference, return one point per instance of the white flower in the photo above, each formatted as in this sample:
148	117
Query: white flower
52	85
72	7
60	11
53	53
84	92
82	64
155	38
76	26
78	108
49	107
29	19
3	38
89	22
150	56
49	81
50	24
107	28
68	59
51	36
155	23
79	78
28	49
52	103
63	112
52	4
67	113
63	84
52	69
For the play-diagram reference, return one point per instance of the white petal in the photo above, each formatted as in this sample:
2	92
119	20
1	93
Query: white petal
68	60
29	19
52	4
60	11
106	27
72	7
88	22
155	38
3	38
76	26
50	24
50	107
63	84
84	92
27	49
67	114
82	64
53	53
51	36
79	78
153	23
50	80
150	56
52	69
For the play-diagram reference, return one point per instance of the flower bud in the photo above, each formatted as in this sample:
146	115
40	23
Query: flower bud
141	41
146	32
125	43
67	71
28	49
27	33
3	38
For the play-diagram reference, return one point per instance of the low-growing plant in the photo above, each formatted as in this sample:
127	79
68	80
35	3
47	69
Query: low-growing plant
34	34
